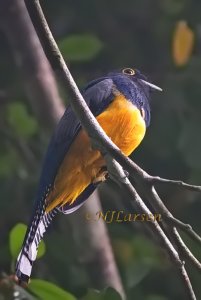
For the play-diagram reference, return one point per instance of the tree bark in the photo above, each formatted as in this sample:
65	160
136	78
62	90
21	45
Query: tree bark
91	239
100	262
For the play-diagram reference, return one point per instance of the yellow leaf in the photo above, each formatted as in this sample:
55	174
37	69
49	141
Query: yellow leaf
183	41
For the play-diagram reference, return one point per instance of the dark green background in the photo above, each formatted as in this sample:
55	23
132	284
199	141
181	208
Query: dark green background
125	33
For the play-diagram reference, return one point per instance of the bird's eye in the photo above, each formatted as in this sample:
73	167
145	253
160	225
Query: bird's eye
128	71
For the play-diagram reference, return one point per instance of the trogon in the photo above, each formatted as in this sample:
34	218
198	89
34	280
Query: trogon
72	169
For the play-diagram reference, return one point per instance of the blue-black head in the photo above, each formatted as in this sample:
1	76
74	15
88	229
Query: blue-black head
135	87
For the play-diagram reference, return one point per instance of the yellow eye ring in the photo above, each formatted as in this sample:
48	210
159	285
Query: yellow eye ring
128	71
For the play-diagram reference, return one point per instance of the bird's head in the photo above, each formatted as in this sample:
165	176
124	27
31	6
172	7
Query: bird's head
137	76
135	87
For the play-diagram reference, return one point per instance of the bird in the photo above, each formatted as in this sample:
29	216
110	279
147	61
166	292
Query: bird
72	168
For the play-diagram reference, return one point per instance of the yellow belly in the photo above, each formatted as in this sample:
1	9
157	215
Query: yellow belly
123	123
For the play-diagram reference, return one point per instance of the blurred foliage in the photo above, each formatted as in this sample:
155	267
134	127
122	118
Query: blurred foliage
20	121
108	294
48	291
42	289
162	39
83	47
183	42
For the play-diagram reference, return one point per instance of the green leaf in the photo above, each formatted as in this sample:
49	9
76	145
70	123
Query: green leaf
8	162
48	291
16	238
80	47
20	120
41	249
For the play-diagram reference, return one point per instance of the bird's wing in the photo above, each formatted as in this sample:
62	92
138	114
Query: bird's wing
98	95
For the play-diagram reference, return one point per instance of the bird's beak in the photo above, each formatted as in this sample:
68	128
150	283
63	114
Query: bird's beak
153	86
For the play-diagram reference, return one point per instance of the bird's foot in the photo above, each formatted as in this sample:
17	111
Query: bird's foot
101	176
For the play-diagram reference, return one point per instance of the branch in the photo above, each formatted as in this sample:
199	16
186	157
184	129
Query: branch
186	228
184	251
37	75
43	94
116	170
10	290
99	241
145	182
170	222
99	139
178	183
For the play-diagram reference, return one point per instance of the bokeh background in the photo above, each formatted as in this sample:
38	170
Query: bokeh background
163	40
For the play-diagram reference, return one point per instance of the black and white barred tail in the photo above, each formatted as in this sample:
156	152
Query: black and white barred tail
34	235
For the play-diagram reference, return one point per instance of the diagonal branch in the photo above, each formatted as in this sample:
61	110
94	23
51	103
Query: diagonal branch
184	251
117	171
144	182
42	91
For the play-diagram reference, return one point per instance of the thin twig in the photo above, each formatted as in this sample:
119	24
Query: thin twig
184	251
102	142
187	283
159	207
186	228
118	174
42	91
158	180
115	170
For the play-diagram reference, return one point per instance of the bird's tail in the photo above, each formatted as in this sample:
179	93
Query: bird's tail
34	234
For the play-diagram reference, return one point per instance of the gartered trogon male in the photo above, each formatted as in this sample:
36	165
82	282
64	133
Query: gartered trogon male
72	169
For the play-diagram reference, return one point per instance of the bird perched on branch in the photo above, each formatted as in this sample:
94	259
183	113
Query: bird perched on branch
72	169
